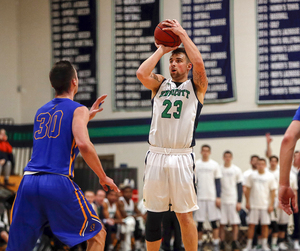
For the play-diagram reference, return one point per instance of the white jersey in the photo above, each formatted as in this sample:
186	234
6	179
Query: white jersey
112	209
246	175
175	113
129	208
206	173
261	185
231	176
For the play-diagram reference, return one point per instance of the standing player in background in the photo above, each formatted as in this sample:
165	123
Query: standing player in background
231	198
286	195
47	193
208	176
260	195
169	163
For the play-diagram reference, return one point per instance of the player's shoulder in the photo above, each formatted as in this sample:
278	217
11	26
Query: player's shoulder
214	163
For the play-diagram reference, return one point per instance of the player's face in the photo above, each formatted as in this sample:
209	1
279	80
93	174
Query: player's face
254	161
100	197
205	152
90	196
273	162
261	165
127	193
112	197
178	65
227	158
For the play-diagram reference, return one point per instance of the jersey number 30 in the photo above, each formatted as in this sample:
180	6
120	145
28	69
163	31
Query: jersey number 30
168	104
48	125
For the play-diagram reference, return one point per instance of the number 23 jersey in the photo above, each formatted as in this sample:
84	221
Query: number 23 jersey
175	113
54	147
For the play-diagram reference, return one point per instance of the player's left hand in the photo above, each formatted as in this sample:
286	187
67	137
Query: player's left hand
96	106
109	182
174	26
218	202
270	209
238	206
285	196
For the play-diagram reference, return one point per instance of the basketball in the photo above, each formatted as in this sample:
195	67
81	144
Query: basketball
166	38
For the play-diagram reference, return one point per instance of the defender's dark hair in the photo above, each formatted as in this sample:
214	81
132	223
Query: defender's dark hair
61	76
181	50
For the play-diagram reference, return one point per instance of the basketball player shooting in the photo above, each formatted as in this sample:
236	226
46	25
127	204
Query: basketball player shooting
177	103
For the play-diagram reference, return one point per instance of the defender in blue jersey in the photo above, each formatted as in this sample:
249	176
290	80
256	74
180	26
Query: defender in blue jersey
47	194
286	194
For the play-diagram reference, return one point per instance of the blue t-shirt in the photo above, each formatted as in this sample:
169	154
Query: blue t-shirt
54	147
297	115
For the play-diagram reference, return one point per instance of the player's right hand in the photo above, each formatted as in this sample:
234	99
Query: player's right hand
165	49
108	182
286	196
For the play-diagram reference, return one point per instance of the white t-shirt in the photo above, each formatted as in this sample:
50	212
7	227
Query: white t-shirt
231	176
206	173
261	185
246	175
112	209
129	208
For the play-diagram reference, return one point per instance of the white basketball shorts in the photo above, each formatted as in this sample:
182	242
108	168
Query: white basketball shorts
207	211
229	215
169	180
259	215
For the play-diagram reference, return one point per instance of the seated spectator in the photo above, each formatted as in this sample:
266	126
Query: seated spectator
5	154
90	196
112	217
129	213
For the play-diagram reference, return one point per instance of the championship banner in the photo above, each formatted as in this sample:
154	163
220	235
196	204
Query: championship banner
74	34
208	25
278	32
135	22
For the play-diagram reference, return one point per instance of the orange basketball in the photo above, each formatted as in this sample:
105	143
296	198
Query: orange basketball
166	38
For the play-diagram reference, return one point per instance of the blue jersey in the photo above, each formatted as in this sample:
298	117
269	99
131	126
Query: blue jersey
54	147
297	115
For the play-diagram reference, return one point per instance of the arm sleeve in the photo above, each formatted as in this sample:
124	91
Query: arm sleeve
218	187
239	187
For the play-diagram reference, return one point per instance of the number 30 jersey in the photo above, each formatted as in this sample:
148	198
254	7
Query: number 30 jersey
54	147
175	114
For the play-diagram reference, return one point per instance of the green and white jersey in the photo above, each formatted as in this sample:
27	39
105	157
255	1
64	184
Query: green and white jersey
175	113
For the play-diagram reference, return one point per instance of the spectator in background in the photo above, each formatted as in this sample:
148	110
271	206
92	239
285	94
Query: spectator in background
273	169
90	196
112	217
260	195
208	176
99	199
231	198
129	212
6	154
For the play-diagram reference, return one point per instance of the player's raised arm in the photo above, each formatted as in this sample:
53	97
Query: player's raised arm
199	74
79	128
144	73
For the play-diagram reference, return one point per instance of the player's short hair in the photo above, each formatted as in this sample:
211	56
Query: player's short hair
181	50
254	156
205	145
262	159
227	152
61	76
273	157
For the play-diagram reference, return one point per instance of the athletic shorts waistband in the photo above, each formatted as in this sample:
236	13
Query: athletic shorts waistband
162	150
